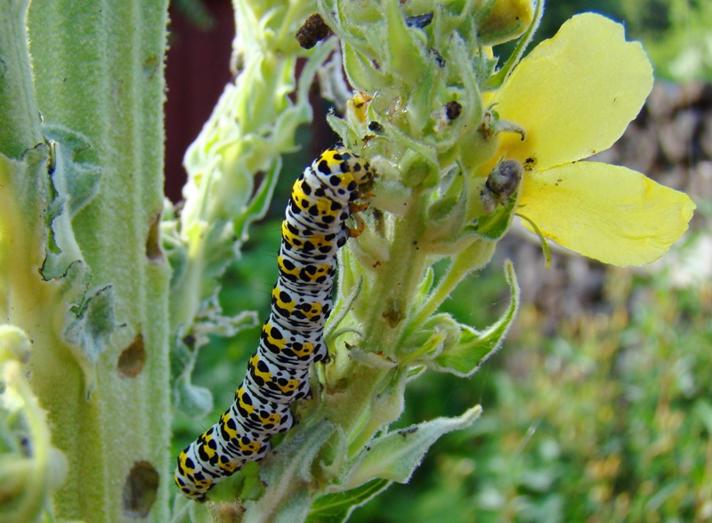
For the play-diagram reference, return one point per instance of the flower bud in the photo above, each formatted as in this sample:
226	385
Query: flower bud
504	20
358	105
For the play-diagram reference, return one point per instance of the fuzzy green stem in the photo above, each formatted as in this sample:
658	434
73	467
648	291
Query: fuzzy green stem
394	288
98	72
396	282
471	258
373	397
20	126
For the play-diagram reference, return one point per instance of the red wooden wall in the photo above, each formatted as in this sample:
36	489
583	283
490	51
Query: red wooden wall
197	69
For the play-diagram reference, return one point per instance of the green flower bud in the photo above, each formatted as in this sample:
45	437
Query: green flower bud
417	171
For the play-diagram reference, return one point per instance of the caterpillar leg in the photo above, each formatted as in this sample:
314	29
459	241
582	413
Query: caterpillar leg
355	207
355	232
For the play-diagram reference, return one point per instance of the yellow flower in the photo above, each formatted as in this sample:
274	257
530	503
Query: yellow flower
574	95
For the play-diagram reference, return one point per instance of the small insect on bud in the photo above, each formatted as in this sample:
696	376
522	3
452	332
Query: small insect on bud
375	127
439	60
312	31
419	21
452	110
501	183
504	179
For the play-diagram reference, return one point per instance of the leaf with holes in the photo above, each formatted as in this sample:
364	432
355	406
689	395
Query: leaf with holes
74	179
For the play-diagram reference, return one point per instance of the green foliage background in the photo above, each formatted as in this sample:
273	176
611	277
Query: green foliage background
609	419
676	33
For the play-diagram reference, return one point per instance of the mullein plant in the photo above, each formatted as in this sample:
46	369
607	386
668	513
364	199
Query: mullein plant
100	280
461	146
85	412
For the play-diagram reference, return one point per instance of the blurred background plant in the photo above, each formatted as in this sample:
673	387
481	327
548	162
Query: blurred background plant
675	33
599	407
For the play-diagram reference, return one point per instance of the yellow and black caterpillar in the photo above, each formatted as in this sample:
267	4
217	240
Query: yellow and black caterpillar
324	197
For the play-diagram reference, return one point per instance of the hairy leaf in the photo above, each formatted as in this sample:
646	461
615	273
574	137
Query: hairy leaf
396	455
474	347
336	508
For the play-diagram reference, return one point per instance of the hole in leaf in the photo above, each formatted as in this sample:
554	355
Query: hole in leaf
140	490
153	241
132	358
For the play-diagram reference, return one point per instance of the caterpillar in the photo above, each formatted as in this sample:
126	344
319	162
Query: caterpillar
329	192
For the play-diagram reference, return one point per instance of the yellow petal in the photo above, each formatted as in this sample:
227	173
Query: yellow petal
575	93
606	212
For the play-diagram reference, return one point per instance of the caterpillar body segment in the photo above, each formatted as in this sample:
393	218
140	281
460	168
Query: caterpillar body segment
323	198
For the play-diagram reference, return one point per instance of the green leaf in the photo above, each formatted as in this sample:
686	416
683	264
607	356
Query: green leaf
465	357
494	225
192	399
426	284
405	56
316	61
360	73
384	408
244	485
340	127
396	455
75	163
258	206
703	410
89	328
75	182
288	471
446	217
371	359
335	508
211	321
471	101
438	332
417	166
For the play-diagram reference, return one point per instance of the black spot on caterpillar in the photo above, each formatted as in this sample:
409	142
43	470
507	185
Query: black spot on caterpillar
314	228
